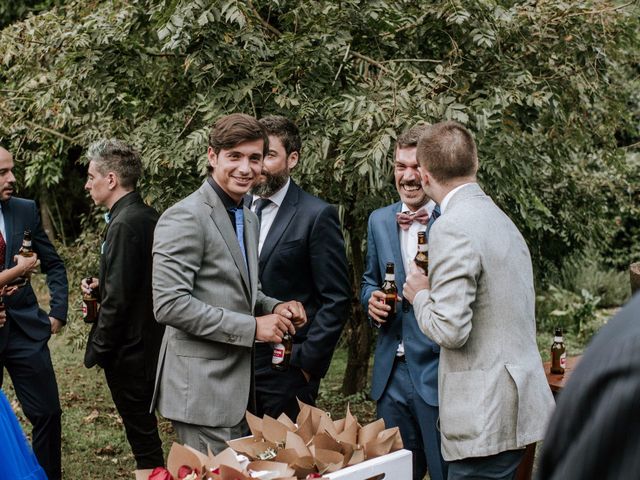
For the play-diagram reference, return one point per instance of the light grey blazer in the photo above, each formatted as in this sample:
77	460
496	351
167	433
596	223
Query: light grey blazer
493	392
204	295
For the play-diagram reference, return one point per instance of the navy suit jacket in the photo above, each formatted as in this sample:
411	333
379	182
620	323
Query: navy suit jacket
422	354
22	307
303	258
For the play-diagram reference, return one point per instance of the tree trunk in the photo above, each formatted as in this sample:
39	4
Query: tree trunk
634	273
45	216
358	331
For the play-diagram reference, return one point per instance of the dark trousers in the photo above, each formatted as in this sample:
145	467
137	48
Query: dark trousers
29	365
132	392
501	466
402	406
276	391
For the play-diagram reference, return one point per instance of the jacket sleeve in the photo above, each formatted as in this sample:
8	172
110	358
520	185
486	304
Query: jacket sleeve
372	277
330	277
52	265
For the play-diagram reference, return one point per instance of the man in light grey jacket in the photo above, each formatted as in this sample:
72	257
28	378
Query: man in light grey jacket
477	303
206	291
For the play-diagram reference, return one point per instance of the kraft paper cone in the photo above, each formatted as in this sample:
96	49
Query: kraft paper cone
229	473
226	457
339	425
250	447
357	456
274	431
303	466
326	442
255	424
287	422
381	445
328	461
326	425
294	442
179	456
274	470
316	414
305	428
370	432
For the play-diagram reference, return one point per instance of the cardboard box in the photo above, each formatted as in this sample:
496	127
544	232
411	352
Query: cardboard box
393	466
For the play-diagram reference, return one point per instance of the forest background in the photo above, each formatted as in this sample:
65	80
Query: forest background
551	90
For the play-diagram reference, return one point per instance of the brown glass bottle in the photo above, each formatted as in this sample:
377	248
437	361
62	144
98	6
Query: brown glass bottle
558	354
390	290
90	304
282	353
422	256
26	250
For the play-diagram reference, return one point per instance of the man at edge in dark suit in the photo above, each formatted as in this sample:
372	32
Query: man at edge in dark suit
301	257
125	340
24	352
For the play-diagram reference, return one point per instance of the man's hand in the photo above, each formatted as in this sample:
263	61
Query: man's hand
378	310
271	328
28	265
416	281
292	310
56	325
86	287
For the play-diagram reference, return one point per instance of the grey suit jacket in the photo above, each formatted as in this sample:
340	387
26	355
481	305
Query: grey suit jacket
493	391
204	295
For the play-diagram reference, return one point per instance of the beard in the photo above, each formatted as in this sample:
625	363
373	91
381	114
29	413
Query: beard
271	184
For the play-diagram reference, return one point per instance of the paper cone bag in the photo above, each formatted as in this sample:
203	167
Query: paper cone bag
252	448
179	456
328	461
265	470
381	445
326	442
303	466
287	422
370	432
274	431
255	424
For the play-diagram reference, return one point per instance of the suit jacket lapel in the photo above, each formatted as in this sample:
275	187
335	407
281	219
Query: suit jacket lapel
393	231
9	227
220	218
285	213
251	245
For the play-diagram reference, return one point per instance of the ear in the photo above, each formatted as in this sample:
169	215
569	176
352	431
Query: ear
112	180
425	178
292	161
213	157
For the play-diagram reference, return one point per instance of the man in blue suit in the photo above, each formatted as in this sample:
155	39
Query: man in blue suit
405	370
23	339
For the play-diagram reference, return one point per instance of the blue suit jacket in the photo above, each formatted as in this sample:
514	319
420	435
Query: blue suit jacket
383	245
19	215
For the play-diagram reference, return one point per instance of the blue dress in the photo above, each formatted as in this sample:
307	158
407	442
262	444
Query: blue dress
17	461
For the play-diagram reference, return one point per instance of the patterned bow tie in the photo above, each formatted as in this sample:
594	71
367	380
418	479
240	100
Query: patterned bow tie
405	219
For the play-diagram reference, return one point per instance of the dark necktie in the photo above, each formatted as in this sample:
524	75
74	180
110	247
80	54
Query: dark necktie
3	251
261	203
239	216
434	216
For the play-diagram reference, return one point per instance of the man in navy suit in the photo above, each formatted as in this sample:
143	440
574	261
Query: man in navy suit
23	340
405	369
301	257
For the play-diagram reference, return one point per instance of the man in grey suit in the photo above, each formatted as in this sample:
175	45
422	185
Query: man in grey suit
206	291
477	303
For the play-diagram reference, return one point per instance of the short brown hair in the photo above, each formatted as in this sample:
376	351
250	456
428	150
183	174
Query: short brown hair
447	151
409	138
231	130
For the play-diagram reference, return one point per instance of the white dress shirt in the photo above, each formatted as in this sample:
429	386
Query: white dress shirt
269	212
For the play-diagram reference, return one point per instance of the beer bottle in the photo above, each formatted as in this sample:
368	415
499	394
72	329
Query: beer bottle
26	250
90	304
422	257
390	290
282	353
558	354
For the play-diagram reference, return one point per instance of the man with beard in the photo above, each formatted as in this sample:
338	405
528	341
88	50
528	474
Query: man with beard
24	352
301	257
405	369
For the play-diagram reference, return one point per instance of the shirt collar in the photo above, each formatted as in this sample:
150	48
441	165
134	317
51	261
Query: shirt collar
277	197
447	198
227	201
430	205
122	202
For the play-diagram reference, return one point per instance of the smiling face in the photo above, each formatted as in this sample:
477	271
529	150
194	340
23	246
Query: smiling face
407	177
276	168
7	180
237	169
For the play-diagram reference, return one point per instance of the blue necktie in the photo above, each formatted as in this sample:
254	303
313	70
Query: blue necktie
239	214
434	216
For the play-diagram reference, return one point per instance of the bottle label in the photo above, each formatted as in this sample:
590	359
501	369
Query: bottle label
557	339
26	243
423	247
389	277
278	354
84	310
563	360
